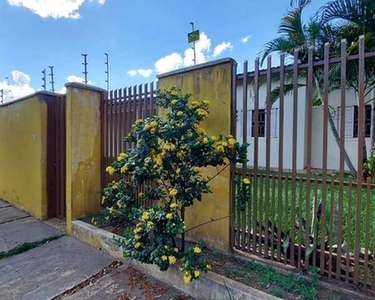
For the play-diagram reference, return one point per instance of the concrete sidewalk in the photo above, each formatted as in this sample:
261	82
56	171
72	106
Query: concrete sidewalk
63	268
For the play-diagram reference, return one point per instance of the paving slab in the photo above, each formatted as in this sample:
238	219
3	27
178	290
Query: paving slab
3	204
125	281
10	213
47	271
27	230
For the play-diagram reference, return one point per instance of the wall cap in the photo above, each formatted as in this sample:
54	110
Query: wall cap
37	94
84	86
198	67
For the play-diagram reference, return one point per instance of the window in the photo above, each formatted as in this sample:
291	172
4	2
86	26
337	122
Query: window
351	121
261	123
367	121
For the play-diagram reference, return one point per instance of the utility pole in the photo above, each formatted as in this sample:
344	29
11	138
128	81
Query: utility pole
44	86
85	66
195	56
52	82
107	70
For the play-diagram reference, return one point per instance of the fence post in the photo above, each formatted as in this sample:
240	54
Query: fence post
83	151
213	81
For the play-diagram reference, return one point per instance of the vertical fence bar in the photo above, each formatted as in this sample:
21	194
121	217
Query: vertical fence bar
152	99
280	157
281	141
315	216
367	233
332	212
256	146
115	124
348	232
324	155
103	119
361	110
308	150
244	135
123	119
300	238
273	217
140	102
129	114
119	141
342	155
294	153
145	111
232	230
268	153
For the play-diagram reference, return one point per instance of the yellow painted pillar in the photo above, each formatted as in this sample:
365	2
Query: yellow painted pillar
212	81
83	151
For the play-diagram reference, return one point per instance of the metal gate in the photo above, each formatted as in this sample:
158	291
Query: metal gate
56	156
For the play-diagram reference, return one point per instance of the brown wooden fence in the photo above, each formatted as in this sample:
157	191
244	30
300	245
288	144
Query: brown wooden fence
120	109
300	211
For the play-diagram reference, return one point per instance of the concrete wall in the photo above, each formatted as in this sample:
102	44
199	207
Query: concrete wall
23	139
83	151
211	81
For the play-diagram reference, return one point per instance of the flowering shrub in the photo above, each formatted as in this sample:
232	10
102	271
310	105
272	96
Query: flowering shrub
171	152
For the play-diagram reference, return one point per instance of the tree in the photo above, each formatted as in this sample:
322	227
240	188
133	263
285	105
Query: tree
297	35
358	17
171	153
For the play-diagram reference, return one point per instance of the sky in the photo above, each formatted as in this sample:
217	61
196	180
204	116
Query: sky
143	38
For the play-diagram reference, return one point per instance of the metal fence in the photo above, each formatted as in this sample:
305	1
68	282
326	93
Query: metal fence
120	109
306	216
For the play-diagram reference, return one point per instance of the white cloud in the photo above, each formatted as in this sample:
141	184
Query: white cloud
142	72
245	39
224	46
175	60
18	87
53	8
73	78
169	63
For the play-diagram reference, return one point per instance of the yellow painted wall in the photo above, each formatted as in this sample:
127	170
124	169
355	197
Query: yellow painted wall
83	151
214	83
23	146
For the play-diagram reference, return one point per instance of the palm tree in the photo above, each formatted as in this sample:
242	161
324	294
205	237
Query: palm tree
358	17
295	34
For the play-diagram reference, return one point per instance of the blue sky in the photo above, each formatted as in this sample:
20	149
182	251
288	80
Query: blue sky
143	37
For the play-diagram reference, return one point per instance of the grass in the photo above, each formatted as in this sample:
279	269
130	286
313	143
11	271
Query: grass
277	283
279	210
27	246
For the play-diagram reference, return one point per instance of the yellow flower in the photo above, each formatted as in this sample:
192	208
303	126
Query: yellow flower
187	278
208	267
138	122
224	144
110	209
173	192
226	160
196	169
174	92
219	149
179	154
164	258
172	260
153	130
147	127
174	102
115	186
197	250
179	113
150	224
173	205
194	104
200	130
175	250
124	168
137	236
154	124
201	112
110	170
145	215
206	102
178	170
205	140
159	160
121	156
246	181
140	195
214	138
169	216
137	245
196	273
231	142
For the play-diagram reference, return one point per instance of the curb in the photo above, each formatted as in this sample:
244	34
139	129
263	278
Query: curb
209	286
